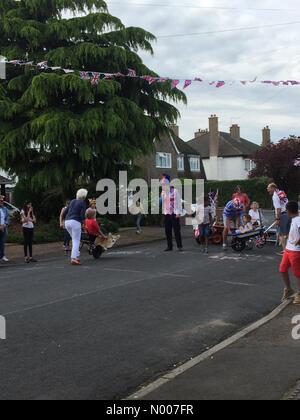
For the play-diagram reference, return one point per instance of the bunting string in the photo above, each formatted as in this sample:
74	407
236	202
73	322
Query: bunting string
95	77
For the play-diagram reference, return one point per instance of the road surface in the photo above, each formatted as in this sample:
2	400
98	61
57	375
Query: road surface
102	330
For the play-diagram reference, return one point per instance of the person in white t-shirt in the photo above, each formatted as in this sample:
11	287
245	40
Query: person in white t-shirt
291	258
282	219
256	215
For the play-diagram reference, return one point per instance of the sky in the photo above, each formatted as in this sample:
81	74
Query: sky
267	53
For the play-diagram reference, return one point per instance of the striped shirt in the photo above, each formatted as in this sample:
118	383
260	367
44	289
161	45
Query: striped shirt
232	211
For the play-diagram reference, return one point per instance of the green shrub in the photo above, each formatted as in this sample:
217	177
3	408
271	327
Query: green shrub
256	188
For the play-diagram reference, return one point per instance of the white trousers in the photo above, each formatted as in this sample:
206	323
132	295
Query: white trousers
74	229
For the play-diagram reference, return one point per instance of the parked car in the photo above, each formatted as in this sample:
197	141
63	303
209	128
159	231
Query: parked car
12	210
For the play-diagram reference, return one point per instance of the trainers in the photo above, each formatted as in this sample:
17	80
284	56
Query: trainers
287	294
5	259
225	247
76	262
297	299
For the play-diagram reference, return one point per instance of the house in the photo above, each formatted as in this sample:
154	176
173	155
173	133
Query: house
226	156
174	156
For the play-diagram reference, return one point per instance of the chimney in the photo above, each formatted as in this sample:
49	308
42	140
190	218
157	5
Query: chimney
175	129
266	137
235	132
200	133
214	140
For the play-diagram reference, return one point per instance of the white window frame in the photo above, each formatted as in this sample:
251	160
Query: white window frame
249	165
180	163
168	160
192	160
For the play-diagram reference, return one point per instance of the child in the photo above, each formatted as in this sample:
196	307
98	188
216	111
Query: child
256	215
291	258
67	237
248	226
207	222
91	225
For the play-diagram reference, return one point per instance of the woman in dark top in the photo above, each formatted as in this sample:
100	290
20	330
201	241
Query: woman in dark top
74	216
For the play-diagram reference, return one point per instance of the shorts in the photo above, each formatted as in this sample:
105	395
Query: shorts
233	220
291	260
204	231
285	225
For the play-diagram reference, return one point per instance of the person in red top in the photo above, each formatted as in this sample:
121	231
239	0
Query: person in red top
242	197
91	225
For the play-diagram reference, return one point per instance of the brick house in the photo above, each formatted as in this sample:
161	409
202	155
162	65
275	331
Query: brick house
174	156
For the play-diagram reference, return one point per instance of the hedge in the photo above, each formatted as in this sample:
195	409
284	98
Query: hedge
256	188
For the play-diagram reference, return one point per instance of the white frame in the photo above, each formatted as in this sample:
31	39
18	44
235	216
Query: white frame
168	161
180	163
194	159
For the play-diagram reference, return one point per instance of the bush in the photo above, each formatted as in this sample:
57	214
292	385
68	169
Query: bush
256	188
43	233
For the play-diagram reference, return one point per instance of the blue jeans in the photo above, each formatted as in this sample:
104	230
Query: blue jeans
3	235
138	220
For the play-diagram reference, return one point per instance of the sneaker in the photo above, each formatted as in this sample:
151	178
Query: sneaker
297	299
168	250
225	247
76	262
5	259
287	294
32	260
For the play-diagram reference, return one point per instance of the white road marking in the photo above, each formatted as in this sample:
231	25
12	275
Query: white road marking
120	270
238	284
206	355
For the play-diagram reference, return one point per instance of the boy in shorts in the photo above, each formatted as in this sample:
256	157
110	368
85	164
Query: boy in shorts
291	258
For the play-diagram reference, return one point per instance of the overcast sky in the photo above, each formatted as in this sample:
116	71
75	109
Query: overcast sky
269	53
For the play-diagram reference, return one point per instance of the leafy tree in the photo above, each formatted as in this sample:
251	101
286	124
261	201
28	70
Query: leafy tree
277	161
57	129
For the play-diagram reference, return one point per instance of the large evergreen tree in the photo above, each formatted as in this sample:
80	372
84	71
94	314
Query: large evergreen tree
57	129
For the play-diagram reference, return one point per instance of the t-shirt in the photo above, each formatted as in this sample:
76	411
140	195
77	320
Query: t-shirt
29	224
232	211
207	212
256	216
279	204
92	227
2	217
294	236
243	197
76	211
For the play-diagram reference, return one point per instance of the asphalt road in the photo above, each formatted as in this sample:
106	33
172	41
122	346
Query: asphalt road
101	330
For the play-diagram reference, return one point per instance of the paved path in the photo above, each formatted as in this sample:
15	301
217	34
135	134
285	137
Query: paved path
102	330
262	366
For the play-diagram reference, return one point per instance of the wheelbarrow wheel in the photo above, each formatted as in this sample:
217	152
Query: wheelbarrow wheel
239	246
97	252
217	239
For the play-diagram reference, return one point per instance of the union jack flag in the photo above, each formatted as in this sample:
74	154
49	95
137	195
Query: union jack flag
15	62
95	79
297	163
131	73
42	65
84	75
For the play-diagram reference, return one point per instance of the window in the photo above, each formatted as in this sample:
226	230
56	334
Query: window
164	160
249	165
195	164
180	163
